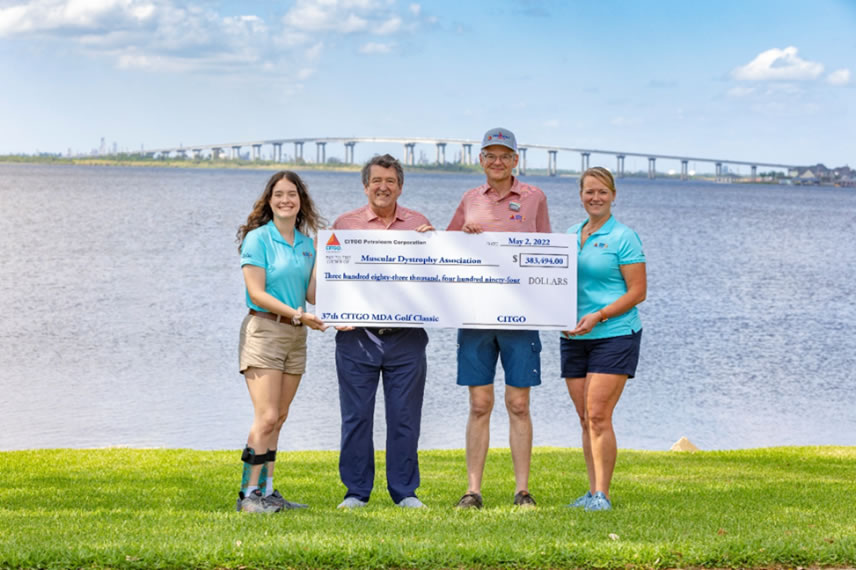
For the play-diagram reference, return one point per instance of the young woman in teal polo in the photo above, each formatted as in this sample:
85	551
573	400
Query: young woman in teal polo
277	260
601	352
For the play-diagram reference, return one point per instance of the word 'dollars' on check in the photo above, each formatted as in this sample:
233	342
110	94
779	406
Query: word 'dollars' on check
492	280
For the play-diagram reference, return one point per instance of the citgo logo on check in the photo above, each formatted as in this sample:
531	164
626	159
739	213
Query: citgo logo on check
333	244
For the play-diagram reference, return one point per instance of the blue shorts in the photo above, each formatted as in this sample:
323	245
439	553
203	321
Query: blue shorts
519	350
613	355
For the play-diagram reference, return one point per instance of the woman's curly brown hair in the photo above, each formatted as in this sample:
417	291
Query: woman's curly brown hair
308	220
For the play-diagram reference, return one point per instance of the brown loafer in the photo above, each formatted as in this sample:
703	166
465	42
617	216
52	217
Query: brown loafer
470	501
524	499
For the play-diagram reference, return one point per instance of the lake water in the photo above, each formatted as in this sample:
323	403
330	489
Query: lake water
122	297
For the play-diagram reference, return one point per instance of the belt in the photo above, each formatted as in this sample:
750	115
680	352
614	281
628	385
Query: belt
272	317
381	332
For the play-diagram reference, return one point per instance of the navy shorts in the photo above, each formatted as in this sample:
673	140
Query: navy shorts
519	351
613	355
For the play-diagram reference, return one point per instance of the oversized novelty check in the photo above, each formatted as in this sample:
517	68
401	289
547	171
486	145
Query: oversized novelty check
492	280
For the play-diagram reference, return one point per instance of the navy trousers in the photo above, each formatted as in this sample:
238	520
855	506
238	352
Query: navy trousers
363	356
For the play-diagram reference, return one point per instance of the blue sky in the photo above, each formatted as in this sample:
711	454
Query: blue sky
772	81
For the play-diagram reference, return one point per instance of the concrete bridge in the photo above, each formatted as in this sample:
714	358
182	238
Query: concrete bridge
233	151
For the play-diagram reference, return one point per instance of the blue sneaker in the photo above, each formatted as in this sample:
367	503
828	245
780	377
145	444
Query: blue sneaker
581	502
598	502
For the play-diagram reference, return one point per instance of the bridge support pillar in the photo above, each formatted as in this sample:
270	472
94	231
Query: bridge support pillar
236	152
349	152
277	152
584	161
521	166
652	167
298	150
257	152
754	173
197	153
320	152
684	169
181	153
467	153
619	166
552	162
718	170
410	149
441	153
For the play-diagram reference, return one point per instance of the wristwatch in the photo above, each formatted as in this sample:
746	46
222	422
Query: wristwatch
295	320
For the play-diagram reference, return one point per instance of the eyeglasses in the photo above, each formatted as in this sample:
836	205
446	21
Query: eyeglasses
489	157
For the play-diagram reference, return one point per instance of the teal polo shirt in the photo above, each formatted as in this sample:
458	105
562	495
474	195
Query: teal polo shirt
599	279
287	268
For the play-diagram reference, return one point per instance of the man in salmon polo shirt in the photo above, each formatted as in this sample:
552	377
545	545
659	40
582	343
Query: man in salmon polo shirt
364	353
502	204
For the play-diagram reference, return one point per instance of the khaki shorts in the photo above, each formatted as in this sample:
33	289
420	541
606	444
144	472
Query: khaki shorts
268	344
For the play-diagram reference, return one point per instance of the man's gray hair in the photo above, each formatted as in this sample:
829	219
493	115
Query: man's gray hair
384	161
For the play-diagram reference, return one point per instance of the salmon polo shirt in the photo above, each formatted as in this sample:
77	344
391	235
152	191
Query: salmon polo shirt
523	209
365	219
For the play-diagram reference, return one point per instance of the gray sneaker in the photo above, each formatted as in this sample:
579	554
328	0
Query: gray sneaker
411	503
351	503
255	503
276	499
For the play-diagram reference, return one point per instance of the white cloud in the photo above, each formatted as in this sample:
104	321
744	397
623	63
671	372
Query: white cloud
327	15
839	77
313	53
178	36
345	17
777	65
390	26
783	89
375	47
74	15
151	35
130	61
624	121
740	91
552	124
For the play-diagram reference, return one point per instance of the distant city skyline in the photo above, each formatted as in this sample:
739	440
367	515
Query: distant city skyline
761	80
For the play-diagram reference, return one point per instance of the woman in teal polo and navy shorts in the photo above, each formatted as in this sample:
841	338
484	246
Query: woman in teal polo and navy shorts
601	352
278	261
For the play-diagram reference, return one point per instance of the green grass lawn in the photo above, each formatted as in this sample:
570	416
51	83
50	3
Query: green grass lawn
175	508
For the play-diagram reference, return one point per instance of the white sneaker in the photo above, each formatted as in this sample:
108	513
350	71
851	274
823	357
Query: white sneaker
351	503
411	503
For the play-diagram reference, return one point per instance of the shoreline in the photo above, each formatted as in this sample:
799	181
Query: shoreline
543	448
229	165
474	169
